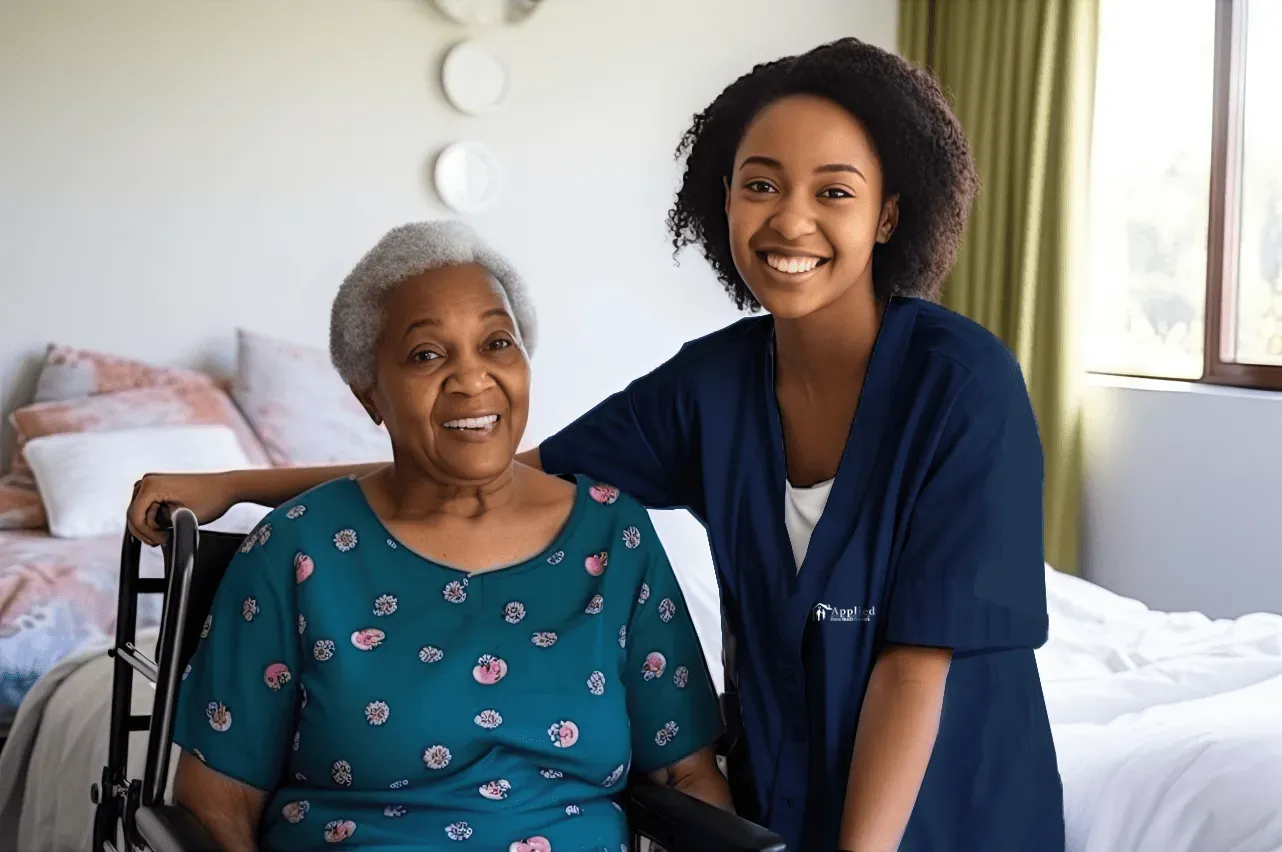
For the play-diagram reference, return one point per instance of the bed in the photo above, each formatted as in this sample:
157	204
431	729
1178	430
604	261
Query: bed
60	551
55	595
1168	726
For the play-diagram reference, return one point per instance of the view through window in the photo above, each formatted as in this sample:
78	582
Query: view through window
1162	188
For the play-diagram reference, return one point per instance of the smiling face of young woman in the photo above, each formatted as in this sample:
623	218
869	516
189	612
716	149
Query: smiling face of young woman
453	382
805	206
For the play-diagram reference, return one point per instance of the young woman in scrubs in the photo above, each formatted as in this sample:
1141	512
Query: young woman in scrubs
866	463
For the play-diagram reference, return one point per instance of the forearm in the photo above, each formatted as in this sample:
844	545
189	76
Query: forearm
273	486
228	810
698	776
898	724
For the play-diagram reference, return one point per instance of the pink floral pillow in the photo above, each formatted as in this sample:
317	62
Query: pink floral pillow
299	406
69	373
194	405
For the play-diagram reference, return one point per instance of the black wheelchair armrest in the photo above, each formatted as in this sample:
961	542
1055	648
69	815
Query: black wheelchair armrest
173	828
681	823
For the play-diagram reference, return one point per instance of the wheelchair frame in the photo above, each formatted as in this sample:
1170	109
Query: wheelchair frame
135	809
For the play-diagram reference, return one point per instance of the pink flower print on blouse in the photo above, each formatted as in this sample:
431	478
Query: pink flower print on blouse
341	772
572	810
666	734
495	790
594	605
681	677
219	716
339	830
604	494
489	670
249	609
303	567
264	533
644	594
623	636
368	639
555	558
531	844
296	512
437	757
458	831
544	639
376	712
295	811
631	538
613	777
667	609
323	649
595	564
275	676
345	540
564	734
430	654
204	629
596	683
385	605
394	811
551	774
653	666
514	612
488	719
455	591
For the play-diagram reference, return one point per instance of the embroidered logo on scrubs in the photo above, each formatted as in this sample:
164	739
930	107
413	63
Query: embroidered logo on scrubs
826	612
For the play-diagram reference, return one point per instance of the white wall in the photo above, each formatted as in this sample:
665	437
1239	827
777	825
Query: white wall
169	170
1183	495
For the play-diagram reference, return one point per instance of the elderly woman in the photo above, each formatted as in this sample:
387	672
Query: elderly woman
455	648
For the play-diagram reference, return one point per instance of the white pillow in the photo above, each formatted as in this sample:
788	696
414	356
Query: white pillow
86	479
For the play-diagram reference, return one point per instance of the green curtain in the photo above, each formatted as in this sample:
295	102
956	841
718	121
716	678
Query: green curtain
1021	74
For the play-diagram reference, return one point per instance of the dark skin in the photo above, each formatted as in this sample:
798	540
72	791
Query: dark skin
807	194
448	356
807	188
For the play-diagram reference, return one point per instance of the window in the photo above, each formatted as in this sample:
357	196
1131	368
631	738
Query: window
1186	192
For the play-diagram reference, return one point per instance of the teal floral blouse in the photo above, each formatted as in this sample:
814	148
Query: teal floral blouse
387	701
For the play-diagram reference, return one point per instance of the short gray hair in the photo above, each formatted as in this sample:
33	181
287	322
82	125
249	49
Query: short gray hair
406	251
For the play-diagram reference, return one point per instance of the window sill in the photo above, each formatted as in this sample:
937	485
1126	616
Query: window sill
1109	380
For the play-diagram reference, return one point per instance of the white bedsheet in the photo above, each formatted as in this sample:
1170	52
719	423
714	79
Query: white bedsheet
1168	726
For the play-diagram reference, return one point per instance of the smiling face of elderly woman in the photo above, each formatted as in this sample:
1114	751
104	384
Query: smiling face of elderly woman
452	381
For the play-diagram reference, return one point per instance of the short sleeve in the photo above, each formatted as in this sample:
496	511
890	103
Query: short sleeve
970	575
236	705
640	439
672	705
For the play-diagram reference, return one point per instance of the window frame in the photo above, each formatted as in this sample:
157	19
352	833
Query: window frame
1226	179
1222	239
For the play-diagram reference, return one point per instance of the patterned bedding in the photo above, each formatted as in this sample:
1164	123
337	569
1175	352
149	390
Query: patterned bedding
55	594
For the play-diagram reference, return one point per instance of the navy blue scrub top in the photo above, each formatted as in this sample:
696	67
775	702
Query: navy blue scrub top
932	536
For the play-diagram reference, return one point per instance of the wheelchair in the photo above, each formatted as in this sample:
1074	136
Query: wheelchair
136	809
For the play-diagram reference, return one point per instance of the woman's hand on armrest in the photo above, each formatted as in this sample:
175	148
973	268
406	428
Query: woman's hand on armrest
210	495
697	776
229	809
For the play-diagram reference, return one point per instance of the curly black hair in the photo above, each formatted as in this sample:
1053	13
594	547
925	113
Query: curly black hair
925	158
